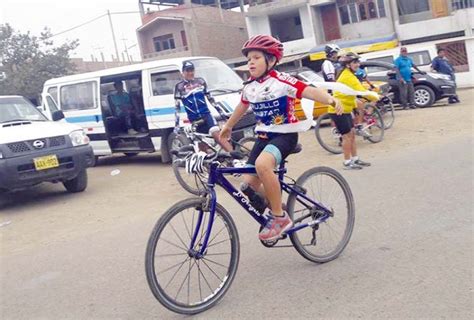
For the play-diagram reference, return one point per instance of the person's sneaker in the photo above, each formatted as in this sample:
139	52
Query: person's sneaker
362	132
412	107
351	166
132	131
275	227
361	163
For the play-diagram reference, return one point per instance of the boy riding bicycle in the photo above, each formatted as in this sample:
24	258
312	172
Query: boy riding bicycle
192	93
344	122
271	95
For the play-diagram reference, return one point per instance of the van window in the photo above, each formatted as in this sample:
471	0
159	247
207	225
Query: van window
163	83
374	69
388	59
420	58
53	91
79	96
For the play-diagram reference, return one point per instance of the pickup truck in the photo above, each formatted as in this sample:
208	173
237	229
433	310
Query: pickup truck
34	149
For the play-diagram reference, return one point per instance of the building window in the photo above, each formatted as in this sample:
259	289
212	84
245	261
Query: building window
362	11
344	13
353	11
462	4
410	7
165	42
456	54
297	21
381	5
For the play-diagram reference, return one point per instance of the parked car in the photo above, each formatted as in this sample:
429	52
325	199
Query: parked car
429	87
34	149
307	75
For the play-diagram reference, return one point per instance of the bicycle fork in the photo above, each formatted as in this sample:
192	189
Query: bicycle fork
205	231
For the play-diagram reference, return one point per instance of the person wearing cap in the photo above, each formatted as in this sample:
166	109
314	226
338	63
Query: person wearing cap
343	121
442	65
403	65
331	67
192	93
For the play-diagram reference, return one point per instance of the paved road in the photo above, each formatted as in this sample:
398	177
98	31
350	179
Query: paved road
82	256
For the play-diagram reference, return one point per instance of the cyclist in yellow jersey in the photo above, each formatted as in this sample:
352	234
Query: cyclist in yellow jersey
344	122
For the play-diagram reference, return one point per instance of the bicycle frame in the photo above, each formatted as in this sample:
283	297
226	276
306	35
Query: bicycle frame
216	177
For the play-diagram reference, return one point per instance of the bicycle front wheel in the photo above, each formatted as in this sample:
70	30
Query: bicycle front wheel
327	134
179	279
388	113
325	241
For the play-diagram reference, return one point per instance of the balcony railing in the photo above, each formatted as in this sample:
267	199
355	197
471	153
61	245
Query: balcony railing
165	52
462	4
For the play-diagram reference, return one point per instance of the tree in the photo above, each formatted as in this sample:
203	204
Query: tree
28	61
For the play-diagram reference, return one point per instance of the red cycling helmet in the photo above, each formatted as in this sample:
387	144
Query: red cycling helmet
264	43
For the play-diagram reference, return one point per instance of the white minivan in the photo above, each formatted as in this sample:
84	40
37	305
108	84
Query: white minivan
85	100
34	149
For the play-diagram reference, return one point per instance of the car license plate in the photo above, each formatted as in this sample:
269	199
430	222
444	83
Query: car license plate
46	162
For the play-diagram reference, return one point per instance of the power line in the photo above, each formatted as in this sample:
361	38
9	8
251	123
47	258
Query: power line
89	21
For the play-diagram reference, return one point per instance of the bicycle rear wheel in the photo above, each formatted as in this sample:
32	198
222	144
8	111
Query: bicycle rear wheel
327	135
181	281
325	241
373	123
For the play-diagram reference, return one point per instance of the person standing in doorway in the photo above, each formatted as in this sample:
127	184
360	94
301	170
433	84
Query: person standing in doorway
403	64
442	65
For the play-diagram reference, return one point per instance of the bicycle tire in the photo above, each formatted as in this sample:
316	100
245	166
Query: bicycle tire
349	225
388	114
193	183
243	148
328	135
379	124
216	295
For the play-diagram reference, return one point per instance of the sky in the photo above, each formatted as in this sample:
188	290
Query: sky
58	15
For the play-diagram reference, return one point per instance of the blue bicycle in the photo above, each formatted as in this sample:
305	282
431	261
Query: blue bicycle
193	251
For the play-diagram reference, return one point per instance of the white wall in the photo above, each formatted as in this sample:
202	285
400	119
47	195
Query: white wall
258	25
367	29
459	20
299	46
305	18
466	79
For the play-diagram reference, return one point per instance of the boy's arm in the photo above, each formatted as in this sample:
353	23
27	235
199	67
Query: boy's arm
320	95
234	118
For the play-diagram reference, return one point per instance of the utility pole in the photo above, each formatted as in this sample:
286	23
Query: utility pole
126	49
113	36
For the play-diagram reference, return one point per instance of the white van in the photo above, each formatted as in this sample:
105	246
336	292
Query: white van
84	99
35	150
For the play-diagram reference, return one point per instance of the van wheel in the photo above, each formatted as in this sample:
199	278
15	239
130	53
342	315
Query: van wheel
78	184
130	154
424	96
177	141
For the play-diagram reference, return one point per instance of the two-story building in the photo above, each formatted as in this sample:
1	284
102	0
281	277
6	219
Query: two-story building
305	26
191	28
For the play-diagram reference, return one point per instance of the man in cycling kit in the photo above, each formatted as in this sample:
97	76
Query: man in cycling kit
192	93
344	123
271	95
331	66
